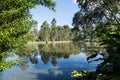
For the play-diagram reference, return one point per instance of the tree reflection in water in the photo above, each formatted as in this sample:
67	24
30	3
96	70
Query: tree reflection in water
52	52
52	61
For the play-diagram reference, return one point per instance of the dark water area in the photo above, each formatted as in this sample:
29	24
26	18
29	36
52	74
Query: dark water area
52	61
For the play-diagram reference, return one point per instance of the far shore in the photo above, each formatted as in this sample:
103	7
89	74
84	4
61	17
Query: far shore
43	42
60	42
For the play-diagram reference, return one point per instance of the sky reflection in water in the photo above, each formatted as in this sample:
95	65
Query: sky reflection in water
49	62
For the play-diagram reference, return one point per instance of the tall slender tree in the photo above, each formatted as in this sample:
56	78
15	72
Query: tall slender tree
45	30
53	29
53	22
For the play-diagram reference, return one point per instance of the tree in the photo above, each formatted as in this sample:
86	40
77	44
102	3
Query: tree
103	15
34	31
45	31
99	15
14	15
53	22
15	22
76	34
94	13
53	29
56	33
67	31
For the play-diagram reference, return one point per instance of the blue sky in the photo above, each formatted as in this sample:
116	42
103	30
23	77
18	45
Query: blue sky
65	10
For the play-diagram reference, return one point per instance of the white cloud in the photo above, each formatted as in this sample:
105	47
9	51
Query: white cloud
75	2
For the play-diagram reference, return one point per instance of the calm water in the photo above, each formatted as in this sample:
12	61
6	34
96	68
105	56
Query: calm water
52	61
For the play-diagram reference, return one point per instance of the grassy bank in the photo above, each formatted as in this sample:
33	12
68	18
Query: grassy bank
43	42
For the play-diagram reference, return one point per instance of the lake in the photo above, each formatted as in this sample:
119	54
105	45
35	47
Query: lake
52	61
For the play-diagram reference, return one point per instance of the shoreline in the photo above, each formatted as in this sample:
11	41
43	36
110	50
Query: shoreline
49	42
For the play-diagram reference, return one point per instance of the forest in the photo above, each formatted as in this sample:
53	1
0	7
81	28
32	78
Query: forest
58	33
53	32
96	19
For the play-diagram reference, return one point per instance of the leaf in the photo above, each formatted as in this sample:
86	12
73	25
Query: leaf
116	78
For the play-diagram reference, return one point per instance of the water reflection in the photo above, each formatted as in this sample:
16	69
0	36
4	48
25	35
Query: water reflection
52	52
24	64
55	51
53	61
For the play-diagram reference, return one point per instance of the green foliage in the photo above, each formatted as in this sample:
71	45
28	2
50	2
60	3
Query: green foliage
53	30
15	23
110	35
83	75
15	20
55	33
13	35
45	31
4	64
93	14
53	22
103	15
7	64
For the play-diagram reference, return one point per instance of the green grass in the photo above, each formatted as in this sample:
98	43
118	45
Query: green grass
43	42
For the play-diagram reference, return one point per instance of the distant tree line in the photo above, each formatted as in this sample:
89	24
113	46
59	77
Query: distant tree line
57	33
54	32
